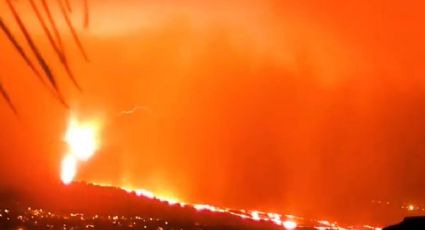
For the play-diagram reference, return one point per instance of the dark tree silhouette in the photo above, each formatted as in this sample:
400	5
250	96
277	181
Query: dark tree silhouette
43	14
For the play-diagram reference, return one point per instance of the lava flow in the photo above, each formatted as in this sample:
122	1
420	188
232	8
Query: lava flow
82	139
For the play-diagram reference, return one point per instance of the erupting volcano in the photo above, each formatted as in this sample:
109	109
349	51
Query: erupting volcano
211	115
83	141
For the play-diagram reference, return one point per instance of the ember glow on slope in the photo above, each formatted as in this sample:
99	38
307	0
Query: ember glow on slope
282	91
82	138
288	222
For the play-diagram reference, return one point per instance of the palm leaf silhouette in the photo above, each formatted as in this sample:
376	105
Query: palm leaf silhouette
49	24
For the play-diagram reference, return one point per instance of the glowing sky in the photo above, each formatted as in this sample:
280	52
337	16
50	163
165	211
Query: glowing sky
260	104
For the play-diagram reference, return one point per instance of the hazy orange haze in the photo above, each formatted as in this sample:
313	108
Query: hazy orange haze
294	106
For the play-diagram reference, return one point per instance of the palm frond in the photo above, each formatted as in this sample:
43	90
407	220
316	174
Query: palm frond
42	62
60	54
54	37
6	97
19	49
72	30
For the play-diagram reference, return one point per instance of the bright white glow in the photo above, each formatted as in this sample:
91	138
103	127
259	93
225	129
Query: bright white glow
290	224
82	142
255	215
81	139
145	193
324	222
275	218
201	207
69	169
169	200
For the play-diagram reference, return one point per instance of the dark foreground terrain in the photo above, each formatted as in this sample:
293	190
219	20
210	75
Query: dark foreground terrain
85	206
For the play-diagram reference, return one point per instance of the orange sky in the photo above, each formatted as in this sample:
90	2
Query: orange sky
260	104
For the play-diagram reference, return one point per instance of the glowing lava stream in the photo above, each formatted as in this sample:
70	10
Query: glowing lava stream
83	141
